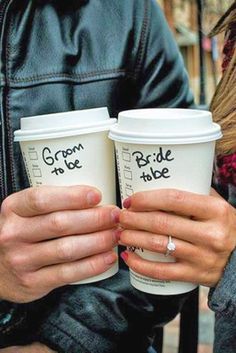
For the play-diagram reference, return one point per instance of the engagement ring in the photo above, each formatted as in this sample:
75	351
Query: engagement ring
170	247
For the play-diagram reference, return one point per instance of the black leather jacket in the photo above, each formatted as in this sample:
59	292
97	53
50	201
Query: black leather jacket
59	55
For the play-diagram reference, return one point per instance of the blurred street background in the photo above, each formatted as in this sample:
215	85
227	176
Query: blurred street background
191	21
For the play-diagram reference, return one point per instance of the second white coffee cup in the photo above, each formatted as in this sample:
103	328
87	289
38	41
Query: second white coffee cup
71	148
164	148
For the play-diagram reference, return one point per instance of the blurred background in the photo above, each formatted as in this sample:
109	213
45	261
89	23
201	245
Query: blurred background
191	21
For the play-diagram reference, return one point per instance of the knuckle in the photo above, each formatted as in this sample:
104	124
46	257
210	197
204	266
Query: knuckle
157	243
175	196
7	234
105	242
26	281
100	217
210	261
219	240
6	206
64	250
159	273
35	199
124	217
16	262
225	246
64	275
160	223
223	209
57	223
126	236
93	266
209	276
138	198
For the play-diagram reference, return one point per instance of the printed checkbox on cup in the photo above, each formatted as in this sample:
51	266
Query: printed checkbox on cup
33	156
126	156
37	172
128	174
129	191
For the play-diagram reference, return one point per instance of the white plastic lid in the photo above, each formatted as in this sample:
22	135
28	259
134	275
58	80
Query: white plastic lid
63	124
165	126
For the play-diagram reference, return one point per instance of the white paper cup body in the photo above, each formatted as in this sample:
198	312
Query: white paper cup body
164	164
81	158
190	169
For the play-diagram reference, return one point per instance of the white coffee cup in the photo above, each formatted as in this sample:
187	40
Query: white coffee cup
71	148
164	148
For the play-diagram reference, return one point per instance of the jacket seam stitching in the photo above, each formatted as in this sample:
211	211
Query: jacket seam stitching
142	41
68	75
8	120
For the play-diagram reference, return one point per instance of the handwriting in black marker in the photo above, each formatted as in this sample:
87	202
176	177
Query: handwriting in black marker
158	157
60	158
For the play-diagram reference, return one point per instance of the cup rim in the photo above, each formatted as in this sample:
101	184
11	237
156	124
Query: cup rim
41	134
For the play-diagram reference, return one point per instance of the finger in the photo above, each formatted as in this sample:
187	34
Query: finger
69	249
59	275
172	200
158	244
59	224
174	271
214	193
166	224
164	271
45	199
32	348
13	349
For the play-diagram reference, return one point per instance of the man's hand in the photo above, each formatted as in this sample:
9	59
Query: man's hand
33	348
52	236
202	227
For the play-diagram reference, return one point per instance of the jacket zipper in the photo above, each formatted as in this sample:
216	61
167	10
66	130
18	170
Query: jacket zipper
6	158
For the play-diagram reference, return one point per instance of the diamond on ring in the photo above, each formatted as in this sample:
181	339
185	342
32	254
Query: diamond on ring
170	246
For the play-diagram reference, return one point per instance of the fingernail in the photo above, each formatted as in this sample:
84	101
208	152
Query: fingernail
124	255
117	234
127	202
110	258
115	215
93	197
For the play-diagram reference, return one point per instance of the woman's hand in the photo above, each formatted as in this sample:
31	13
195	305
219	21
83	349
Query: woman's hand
52	236
32	348
203	229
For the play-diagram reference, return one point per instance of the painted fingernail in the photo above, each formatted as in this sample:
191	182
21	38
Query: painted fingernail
115	215
124	255
93	197
110	258
127	202
117	234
